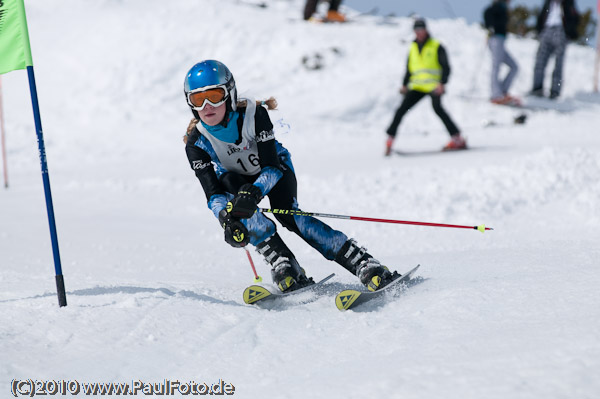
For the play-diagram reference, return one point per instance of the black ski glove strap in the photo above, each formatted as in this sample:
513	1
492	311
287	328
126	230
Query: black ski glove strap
236	234
245	202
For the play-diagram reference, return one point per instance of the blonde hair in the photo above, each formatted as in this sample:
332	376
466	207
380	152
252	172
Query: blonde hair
270	103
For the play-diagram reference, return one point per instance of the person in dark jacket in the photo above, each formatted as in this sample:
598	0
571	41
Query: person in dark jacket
556	25
333	15
496	21
427	72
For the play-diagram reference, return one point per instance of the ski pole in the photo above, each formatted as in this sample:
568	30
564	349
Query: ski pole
3	140
296	212
257	278
597	63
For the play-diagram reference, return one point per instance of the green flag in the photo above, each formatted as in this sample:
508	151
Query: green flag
15	52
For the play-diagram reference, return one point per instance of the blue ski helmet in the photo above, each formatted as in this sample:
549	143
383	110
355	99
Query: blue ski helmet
210	74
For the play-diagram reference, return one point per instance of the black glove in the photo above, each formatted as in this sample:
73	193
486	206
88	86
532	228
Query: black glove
236	234
245	202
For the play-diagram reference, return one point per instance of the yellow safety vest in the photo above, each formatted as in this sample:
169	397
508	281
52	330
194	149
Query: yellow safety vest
424	66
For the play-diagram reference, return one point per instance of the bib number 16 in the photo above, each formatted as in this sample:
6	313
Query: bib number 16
252	159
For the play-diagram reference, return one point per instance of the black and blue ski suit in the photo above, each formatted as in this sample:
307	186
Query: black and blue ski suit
241	150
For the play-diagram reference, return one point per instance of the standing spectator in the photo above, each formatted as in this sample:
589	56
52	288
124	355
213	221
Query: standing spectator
556	24
496	21
427	72
333	15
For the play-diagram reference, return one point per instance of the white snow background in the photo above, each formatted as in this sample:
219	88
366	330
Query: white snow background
155	293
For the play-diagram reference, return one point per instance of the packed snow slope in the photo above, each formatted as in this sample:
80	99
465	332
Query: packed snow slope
155	293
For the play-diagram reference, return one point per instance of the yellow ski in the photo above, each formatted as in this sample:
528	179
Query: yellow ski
257	293
348	299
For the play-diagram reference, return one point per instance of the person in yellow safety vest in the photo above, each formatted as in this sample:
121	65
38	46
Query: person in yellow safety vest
427	73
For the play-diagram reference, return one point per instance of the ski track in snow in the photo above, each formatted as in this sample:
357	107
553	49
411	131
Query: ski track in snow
154	293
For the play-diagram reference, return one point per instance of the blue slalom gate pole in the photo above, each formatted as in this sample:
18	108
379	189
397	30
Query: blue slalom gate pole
60	282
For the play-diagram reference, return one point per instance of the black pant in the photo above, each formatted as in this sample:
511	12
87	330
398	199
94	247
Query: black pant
413	97
311	7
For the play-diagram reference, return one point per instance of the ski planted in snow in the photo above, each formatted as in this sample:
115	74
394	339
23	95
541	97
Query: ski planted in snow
349	299
257	293
408	153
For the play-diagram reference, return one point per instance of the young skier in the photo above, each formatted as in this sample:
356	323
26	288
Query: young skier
232	149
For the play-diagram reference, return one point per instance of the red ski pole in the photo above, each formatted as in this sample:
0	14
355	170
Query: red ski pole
257	278
296	212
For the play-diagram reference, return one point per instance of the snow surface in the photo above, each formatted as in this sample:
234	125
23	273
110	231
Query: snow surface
154	292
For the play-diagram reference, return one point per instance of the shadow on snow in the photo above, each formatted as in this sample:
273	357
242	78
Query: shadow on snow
133	290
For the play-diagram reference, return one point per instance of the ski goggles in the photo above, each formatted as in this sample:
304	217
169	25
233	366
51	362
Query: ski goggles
214	95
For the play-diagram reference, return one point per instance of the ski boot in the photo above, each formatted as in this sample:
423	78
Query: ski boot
388	146
286	273
537	92
369	270
373	274
456	143
334	16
